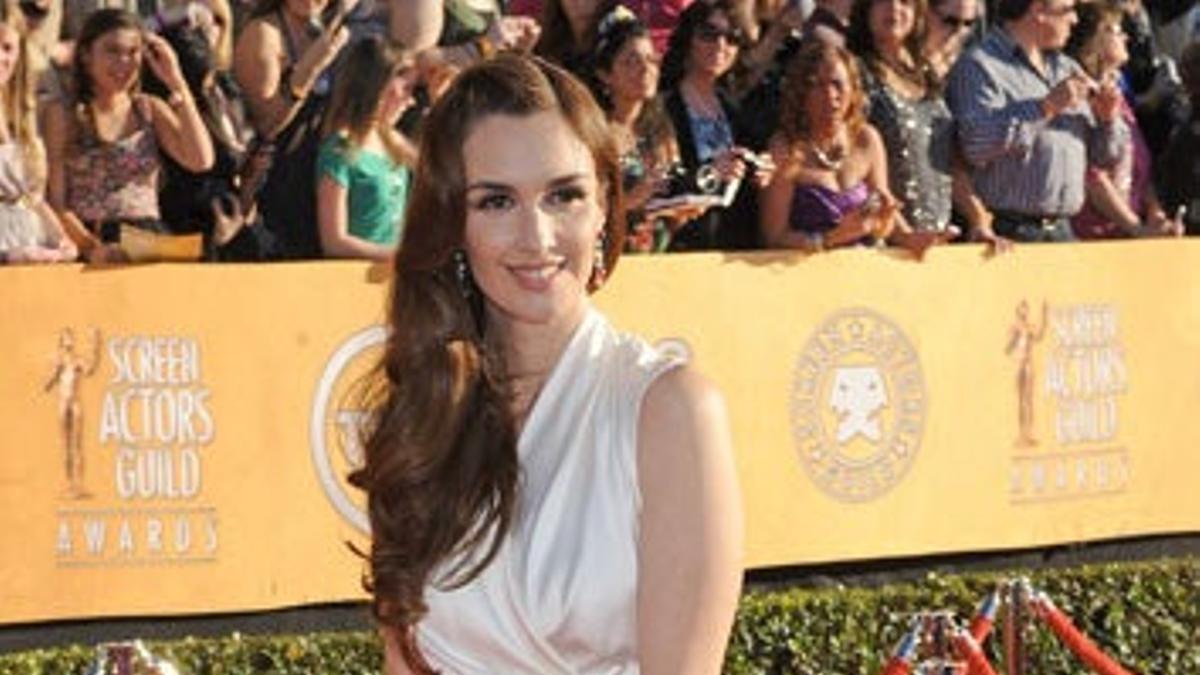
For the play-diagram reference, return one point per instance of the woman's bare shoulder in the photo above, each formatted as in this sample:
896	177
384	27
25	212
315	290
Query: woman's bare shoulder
868	137
261	35
683	413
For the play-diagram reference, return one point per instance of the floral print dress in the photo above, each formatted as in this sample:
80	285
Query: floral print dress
115	182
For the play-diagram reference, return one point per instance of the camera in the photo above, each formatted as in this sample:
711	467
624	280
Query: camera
679	181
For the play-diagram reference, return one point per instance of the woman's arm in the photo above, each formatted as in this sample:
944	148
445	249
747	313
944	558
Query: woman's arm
59	241
1104	197
967	202
690	550
1157	220
58	132
415	24
775	203
774	212
180	131
258	68
333	206
177	126
887	221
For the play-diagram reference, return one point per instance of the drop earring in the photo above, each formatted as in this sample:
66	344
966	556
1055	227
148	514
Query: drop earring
599	272
462	273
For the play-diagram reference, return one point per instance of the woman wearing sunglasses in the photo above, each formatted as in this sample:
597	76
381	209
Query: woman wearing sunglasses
702	51
949	25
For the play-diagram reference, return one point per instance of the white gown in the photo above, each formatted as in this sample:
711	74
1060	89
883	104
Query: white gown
561	594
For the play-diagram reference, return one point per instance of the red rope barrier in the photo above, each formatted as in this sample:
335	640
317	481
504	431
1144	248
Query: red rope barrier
985	617
1074	639
904	655
970	651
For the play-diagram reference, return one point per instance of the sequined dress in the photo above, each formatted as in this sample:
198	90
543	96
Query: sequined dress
918	135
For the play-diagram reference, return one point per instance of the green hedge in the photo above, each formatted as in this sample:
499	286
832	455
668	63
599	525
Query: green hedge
1147	615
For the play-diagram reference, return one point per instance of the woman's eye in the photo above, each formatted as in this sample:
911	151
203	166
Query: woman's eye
493	202
566	195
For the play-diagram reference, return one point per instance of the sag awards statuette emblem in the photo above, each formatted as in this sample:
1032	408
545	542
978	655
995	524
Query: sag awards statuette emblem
336	422
1023	336
858	405
1071	381
70	368
145	435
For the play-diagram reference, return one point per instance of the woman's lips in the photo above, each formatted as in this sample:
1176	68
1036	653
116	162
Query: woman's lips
536	276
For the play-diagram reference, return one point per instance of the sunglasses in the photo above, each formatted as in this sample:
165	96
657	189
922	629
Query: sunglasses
33	10
957	22
710	33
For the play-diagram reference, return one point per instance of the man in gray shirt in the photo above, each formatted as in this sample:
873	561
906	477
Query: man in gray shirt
1030	121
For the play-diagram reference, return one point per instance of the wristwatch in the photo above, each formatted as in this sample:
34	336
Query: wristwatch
487	48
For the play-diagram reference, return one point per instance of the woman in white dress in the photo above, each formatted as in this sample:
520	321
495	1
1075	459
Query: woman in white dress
547	495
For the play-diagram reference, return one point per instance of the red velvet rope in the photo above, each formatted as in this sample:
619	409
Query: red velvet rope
1075	640
970	651
985	617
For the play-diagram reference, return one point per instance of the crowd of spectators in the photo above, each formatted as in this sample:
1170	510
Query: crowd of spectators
288	129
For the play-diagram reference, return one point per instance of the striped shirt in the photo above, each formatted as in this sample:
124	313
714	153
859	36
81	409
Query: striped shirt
1021	162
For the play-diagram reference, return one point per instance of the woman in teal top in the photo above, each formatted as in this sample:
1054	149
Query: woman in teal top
363	171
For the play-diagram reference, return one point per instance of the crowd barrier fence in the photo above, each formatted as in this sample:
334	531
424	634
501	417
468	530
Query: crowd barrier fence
178	435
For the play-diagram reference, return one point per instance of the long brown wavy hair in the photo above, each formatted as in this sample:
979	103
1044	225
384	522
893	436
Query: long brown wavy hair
860	41
441	471
801	77
99	23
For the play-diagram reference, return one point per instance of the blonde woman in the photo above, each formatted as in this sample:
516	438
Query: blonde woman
29	229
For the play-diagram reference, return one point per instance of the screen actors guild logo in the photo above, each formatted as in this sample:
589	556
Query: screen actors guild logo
335	427
858	405
1076	391
1022	337
69	371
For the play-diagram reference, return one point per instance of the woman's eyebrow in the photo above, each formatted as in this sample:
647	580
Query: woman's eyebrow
488	185
568	179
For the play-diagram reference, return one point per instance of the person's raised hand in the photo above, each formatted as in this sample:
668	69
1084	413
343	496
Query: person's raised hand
1105	100
161	59
519	33
1067	94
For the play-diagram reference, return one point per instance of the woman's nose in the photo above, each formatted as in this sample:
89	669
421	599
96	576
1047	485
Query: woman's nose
536	230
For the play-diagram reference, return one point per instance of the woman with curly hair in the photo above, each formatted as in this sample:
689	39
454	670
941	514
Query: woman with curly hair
831	188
